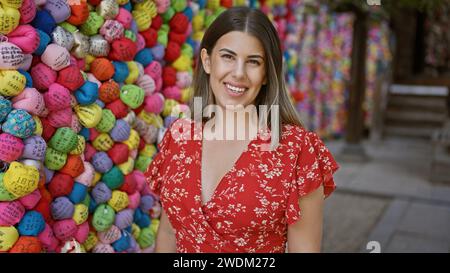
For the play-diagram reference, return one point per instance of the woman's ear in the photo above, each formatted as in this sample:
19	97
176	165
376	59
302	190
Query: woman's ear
205	60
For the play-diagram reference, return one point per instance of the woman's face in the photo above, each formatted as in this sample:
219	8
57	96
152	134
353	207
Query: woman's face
236	67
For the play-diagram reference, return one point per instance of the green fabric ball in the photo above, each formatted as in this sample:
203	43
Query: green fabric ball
103	217
142	162
54	160
163	38
179	5
132	95
5	195
170	12
86	201
130	35
107	122
64	140
146	237
113	178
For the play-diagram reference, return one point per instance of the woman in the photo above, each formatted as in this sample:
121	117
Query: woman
225	193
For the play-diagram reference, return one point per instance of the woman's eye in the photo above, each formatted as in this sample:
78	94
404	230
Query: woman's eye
255	62
226	56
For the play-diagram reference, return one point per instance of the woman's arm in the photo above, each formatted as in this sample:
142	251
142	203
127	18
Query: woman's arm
305	235
165	239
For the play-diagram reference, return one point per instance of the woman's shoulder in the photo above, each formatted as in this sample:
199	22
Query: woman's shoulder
294	132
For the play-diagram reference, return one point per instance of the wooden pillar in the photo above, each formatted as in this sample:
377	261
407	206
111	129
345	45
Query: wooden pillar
353	150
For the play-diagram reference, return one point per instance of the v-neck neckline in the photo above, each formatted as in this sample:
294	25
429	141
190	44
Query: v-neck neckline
222	179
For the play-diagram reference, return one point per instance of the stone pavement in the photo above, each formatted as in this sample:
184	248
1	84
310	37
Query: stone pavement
389	200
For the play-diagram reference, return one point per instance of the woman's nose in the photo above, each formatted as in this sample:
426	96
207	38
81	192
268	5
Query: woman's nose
239	70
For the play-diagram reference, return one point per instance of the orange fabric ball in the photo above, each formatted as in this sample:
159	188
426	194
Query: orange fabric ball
102	69
109	91
79	13
74	166
27	244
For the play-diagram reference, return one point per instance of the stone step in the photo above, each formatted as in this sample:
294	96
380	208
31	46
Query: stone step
408	131
421	90
417	115
434	104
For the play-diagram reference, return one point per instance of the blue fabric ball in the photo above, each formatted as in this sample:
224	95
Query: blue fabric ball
120	71
128	6
78	193
145	57
43	42
29	80
5	108
141	219
189	13
92	205
32	224
44	21
123	243
85	133
202	4
87	94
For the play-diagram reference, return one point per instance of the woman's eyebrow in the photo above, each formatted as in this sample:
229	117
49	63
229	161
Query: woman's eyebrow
234	53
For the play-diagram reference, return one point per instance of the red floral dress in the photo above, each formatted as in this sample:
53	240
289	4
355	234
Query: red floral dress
254	202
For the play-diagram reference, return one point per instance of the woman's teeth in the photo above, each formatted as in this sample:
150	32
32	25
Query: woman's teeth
238	90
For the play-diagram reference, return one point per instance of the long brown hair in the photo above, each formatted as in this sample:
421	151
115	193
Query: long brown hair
255	23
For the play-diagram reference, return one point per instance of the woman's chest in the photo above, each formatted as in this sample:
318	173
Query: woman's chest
252	194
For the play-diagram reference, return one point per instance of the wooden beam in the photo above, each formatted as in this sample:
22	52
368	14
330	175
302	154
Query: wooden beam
355	119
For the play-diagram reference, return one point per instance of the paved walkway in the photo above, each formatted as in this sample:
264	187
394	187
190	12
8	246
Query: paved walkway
388	200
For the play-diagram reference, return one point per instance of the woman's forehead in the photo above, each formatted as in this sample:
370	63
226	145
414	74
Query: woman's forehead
240	43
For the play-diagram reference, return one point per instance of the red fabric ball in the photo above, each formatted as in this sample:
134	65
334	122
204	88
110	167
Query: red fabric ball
93	134
178	38
74	166
89	152
226	3
141	144
150	37
157	22
118	108
119	153
47	129
122	49
169	76
36	59
94	2
173	51
139	109
60	185
179	23
70	77
43	207
129	185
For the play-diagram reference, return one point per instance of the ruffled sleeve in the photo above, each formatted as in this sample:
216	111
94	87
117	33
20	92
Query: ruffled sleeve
154	174
315	166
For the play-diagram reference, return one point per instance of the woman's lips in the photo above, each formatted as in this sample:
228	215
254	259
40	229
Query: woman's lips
234	91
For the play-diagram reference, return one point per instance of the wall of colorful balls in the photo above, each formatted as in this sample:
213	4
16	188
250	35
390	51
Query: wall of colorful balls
87	88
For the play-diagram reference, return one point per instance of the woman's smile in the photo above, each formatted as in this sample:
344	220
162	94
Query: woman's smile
236	72
235	90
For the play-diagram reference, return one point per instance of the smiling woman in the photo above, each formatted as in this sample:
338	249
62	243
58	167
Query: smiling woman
228	194
236	72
